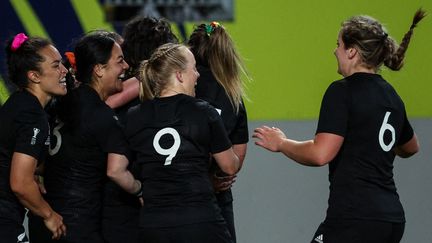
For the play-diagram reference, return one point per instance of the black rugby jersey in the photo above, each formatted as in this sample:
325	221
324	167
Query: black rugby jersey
172	138
209	89
24	129
87	130
370	115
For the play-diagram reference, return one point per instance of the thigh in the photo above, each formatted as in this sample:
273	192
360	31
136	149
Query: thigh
228	214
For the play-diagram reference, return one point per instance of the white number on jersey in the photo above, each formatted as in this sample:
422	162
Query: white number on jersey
172	151
386	126
57	134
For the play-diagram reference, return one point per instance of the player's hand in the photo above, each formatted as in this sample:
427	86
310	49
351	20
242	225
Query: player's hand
55	224
269	138
39	180
223	183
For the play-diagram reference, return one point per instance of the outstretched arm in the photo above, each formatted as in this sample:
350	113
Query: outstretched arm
317	152
130	91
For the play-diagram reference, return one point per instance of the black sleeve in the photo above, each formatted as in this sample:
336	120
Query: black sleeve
240	133
333	116
109	133
31	133
407	132
219	140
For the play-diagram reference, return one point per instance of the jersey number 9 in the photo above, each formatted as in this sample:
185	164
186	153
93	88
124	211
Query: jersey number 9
172	151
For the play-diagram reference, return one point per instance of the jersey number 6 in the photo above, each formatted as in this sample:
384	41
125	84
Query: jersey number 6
386	126
172	151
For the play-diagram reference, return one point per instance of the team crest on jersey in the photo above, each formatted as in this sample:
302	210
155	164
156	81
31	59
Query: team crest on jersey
35	133
219	111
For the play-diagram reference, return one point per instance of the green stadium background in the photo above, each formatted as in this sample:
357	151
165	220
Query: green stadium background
288	50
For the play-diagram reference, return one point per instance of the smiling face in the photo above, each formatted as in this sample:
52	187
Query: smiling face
190	73
51	77
113	72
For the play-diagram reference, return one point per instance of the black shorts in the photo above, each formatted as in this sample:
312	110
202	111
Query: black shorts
11	231
120	224
209	232
225	203
358	231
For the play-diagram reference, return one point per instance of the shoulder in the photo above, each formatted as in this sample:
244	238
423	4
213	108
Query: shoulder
206	108
337	87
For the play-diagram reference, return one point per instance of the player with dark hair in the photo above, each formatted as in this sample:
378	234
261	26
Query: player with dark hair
88	141
35	67
142	35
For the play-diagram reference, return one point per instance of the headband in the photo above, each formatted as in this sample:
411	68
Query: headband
18	40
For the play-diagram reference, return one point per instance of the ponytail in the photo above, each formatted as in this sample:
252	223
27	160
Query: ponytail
394	60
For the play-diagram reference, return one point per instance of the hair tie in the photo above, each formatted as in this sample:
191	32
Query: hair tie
209	28
18	40
384	36
70	56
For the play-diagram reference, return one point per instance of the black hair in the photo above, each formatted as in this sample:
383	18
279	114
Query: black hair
24	59
92	49
142	36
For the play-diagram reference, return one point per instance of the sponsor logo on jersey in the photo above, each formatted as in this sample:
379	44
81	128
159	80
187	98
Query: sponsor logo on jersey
319	238
35	133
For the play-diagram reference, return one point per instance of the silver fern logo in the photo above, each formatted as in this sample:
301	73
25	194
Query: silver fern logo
35	133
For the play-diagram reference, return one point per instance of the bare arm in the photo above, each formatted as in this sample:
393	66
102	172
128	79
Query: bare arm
317	152
130	91
228	161
118	172
409	148
27	191
240	151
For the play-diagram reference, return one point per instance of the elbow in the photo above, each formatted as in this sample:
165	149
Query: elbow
113	173
321	160
409	149
230	171
17	188
233	168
